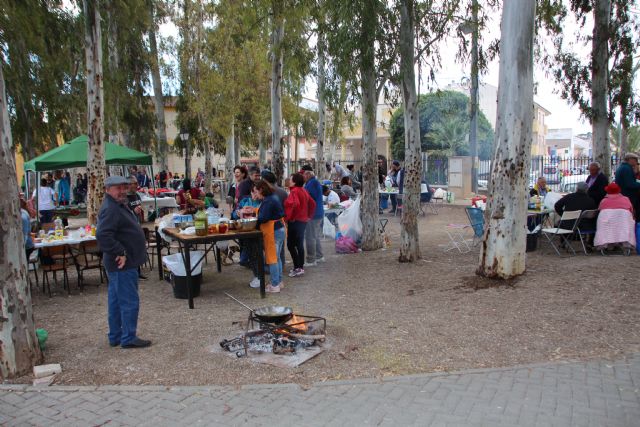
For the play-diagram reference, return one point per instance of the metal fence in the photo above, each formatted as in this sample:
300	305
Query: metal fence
556	170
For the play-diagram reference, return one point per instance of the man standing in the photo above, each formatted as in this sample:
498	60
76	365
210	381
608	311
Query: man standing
143	179
313	232
626	179
135	205
596	181
395	174
122	243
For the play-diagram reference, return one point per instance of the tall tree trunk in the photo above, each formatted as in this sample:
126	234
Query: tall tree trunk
113	119
229	157
599	84
320	160
370	197
502	254
409	235
208	167
19	349
237	155
277	60
95	108
262	149
624	137
158	99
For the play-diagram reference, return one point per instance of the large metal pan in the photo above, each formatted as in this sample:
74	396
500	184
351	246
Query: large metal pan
271	314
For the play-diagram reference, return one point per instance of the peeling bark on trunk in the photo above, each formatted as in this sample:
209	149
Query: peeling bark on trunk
369	215
95	107
229	158
409	236
277	60
599	84
115	133
320	160
502	254
158	99
19	349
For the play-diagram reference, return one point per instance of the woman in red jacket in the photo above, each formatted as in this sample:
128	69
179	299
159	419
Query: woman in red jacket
299	207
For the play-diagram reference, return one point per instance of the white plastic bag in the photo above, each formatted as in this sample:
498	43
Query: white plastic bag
328	230
175	263
349	223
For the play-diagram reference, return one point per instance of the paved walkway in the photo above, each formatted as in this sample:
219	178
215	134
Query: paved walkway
563	394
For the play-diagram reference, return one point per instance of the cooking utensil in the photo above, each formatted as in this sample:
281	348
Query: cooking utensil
270	314
247	224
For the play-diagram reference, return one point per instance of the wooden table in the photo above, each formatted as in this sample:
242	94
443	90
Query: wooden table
185	242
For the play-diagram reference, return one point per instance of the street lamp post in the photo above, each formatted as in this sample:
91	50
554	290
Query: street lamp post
184	137
472	28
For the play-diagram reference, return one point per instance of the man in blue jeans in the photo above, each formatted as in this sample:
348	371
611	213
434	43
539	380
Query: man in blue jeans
123	245
313	231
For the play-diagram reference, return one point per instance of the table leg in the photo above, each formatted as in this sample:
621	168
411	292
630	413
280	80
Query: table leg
218	259
186	254
260	257
159	253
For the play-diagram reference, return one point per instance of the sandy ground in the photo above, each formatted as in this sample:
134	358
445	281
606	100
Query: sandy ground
384	318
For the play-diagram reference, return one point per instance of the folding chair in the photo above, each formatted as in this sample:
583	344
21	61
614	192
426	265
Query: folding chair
456	238
586	230
476	221
549	233
57	259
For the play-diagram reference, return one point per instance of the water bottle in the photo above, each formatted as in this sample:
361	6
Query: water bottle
58	230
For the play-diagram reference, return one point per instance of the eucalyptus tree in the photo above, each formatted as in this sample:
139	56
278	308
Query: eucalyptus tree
502	254
359	35
42	57
157	14
19	348
602	84
426	22
95	108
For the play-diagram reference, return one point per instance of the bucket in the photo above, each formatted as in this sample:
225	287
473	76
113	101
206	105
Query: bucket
179	284
532	242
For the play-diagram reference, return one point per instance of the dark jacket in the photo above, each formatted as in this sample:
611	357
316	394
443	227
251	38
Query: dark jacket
576	202
626	179
314	188
271	209
118	232
596	189
244	189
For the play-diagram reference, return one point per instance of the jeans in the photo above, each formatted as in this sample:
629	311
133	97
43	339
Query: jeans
295	242
312	235
124	304
275	270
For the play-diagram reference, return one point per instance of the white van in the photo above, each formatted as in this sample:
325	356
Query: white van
568	183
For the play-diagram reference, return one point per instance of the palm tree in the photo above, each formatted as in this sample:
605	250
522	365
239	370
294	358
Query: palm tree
452	135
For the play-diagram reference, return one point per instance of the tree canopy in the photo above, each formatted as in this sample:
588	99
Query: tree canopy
444	126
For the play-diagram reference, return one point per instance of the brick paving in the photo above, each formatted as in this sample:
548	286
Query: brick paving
598	393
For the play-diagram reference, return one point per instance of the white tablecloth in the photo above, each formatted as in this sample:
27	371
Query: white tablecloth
65	241
163	202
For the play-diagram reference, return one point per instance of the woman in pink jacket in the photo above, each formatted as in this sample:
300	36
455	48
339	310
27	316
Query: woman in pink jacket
615	200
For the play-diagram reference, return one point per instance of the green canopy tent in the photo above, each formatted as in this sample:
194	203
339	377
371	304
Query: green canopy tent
74	154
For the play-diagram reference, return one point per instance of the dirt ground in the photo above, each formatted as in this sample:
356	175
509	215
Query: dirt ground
384	318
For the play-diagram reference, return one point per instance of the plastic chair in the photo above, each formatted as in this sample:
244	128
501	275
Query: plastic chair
563	233
476	221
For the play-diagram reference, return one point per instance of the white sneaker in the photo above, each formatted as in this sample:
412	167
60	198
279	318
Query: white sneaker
310	264
297	272
255	283
273	289
319	260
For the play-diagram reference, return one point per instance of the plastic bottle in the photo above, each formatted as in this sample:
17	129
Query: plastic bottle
93	230
59	230
538	203
200	223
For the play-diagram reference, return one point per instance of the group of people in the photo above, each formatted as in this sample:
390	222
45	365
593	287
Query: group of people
55	190
293	214
597	193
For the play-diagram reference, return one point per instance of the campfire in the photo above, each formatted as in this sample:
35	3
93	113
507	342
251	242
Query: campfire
294	334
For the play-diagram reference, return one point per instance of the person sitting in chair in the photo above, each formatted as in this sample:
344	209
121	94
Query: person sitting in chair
540	188
578	201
